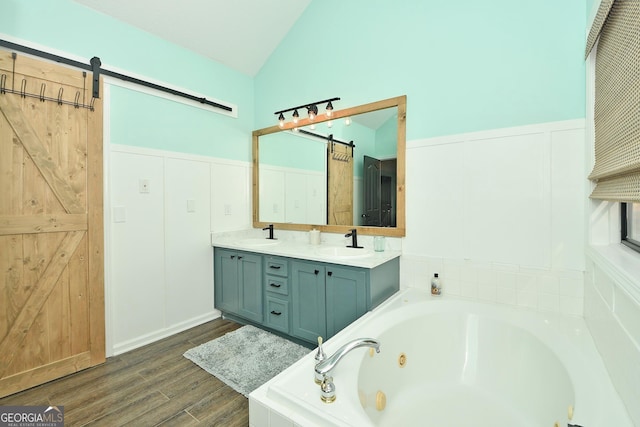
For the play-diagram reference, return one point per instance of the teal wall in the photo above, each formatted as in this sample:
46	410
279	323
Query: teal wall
590	5
138	119
290	150
465	65
387	138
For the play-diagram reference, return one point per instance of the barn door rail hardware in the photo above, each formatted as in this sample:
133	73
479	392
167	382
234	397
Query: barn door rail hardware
95	68
328	138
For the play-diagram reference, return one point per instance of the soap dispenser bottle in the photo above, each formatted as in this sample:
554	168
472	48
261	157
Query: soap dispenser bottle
436	287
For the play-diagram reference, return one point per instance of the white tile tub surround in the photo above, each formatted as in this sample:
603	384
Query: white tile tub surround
612	312
499	214
539	290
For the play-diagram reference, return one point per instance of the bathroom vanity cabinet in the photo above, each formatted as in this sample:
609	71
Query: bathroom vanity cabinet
237	283
297	297
325	298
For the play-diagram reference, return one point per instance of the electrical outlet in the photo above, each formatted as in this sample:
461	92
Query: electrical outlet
145	185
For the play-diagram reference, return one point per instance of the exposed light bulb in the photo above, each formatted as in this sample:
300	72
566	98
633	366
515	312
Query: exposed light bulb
347	121
281	120
295	116
330	123
312	110
329	109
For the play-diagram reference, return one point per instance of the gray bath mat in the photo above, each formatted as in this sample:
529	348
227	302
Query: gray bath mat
246	358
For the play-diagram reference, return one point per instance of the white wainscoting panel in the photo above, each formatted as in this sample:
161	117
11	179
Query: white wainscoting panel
188	257
292	195
160	279
137	285
231	184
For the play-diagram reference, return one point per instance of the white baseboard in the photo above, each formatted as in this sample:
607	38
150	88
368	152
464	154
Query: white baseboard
138	342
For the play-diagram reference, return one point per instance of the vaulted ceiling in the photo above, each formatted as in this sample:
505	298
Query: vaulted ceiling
240	34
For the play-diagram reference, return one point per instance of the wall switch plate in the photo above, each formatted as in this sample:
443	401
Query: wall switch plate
227	209
191	205
145	185
119	214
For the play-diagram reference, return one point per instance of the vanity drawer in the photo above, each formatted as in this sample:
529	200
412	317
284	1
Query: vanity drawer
277	266
279	285
277	316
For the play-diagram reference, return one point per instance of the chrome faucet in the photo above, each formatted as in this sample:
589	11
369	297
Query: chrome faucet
270	228
354	239
324	367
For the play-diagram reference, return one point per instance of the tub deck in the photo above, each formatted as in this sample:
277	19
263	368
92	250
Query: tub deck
474	388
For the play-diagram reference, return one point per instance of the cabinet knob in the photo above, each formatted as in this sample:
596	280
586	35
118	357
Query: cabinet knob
275	313
316	272
233	257
239	257
330	273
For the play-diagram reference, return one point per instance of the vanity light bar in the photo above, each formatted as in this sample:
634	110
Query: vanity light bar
312	110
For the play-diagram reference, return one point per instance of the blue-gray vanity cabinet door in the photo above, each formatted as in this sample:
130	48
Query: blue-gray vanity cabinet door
346	297
226	280
238	283
308	301
250	286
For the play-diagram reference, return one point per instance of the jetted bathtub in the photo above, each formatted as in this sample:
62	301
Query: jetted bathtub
451	362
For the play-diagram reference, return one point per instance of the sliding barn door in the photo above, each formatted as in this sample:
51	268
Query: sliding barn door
339	184
51	229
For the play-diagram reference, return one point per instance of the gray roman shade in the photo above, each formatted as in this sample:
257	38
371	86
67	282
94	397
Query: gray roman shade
617	101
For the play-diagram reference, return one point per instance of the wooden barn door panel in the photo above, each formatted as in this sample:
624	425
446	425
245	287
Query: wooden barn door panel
339	184
51	232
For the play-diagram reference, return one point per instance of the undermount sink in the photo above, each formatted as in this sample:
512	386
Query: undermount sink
256	242
344	252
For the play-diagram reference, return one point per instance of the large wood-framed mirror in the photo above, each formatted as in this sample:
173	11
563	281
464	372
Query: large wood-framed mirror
334	174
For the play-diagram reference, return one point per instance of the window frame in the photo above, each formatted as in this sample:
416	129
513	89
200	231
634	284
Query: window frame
624	223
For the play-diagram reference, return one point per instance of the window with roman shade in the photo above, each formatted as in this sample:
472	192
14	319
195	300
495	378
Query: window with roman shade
617	100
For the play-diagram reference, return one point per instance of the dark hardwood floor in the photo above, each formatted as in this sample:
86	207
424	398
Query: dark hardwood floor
150	386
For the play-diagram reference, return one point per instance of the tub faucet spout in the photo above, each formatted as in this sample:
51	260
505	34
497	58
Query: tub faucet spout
325	366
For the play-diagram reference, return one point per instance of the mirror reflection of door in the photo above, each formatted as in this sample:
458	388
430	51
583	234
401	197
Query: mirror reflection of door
379	192
372	191
339	184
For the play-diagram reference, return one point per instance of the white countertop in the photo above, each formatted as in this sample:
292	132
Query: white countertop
305	251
